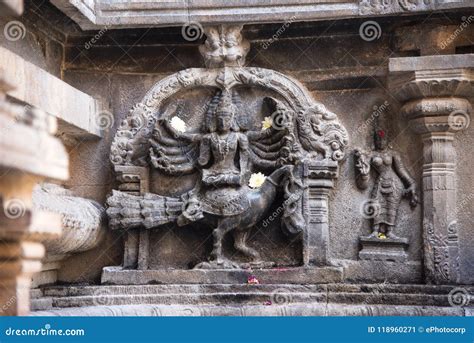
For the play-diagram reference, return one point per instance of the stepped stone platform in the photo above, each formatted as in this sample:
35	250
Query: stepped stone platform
249	300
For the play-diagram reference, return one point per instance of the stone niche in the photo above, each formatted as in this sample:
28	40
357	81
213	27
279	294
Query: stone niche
225	172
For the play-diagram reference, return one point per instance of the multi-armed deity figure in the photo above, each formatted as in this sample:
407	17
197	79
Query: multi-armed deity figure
225	155
387	191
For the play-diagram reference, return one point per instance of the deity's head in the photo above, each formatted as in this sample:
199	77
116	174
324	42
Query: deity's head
225	113
380	139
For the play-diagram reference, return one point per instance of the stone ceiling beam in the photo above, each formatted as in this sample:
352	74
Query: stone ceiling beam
96	14
78	113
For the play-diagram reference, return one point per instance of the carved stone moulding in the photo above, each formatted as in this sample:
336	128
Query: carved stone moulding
95	14
437	114
372	7
432	76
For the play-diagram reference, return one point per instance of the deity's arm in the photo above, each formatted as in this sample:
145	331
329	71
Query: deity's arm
204	151
257	135
182	136
406	178
362	169
244	154
401	171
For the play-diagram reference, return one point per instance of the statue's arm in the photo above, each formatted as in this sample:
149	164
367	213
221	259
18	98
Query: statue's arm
204	151
408	181
362	169
258	135
244	155
183	136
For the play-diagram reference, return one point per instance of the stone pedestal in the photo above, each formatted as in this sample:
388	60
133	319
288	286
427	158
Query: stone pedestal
387	249
434	91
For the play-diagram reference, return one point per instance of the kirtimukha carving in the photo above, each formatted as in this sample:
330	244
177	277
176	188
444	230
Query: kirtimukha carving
392	183
230	153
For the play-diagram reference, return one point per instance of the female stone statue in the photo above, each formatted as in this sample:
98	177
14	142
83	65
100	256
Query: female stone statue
387	191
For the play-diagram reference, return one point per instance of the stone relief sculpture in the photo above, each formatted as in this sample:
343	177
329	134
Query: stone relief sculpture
299	139
392	183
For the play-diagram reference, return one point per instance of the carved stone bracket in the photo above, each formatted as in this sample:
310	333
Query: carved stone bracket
83	227
435	104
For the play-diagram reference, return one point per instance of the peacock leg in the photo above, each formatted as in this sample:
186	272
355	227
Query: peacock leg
240	243
218	235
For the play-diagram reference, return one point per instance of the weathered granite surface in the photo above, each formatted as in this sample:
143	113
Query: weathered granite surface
393	75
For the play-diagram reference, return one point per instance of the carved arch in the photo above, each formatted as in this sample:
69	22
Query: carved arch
130	142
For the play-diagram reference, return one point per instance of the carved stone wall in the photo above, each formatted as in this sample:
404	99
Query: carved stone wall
338	68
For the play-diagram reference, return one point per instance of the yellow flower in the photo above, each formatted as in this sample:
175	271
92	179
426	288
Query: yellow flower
267	123
256	180
178	124
381	236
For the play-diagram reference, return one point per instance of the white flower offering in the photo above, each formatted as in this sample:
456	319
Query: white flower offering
256	180
178	124
267	123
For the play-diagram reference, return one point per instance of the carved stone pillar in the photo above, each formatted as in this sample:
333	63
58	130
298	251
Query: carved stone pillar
318	176
434	90
28	154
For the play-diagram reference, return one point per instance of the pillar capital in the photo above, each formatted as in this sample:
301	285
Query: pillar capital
437	114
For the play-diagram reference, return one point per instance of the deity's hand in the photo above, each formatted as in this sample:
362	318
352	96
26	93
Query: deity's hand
361	163
411	193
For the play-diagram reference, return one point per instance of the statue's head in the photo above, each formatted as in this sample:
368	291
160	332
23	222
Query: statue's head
380	139
225	113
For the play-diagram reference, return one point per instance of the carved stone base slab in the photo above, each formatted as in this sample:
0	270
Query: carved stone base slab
299	275
249	300
388	249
